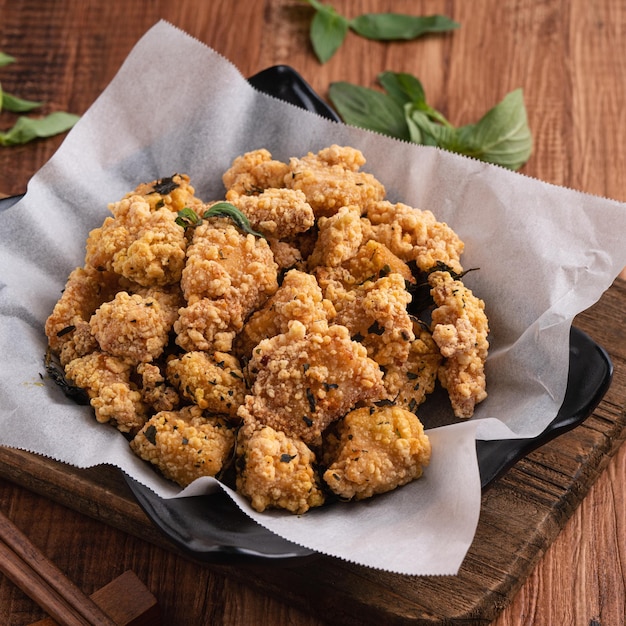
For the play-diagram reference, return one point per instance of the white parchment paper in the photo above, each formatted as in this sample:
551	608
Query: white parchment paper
545	253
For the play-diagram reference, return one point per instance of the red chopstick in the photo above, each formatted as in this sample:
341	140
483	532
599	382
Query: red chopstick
44	582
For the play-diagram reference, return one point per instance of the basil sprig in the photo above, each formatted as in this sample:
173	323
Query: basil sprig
329	28
26	128
188	217
502	136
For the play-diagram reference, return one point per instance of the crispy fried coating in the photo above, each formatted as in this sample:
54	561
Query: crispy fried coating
413	235
170	299
375	313
213	382
409	382
276	471
140	243
80	342
279	213
185	444
173	192
85	290
460	329
114	398
331	179
376	450
305	379
130	327
286	255
374	260
298	298
339	238
155	392
252	172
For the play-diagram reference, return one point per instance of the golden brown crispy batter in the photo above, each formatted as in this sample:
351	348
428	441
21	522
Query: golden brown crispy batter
185	444
376	450
173	192
305	379
132	328
85	290
276	471
339	238
253	172
107	382
155	392
330	180
298	298
460	330
140	243
409	382
80	342
278	213
213	382
373	260
413	235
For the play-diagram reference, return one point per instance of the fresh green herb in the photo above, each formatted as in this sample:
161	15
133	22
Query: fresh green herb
25	128
187	217
226	209
329	28
502	136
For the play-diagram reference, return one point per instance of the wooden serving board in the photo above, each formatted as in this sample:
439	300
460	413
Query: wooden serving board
521	515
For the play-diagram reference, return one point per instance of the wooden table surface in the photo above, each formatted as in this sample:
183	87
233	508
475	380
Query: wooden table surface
569	56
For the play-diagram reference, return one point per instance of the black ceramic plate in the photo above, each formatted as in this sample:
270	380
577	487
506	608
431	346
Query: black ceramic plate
213	528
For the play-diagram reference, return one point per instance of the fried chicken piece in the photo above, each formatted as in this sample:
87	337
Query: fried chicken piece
374	260
279	213
131	328
173	192
213	382
339	238
276	471
286	255
298	298
331	179
155	392
80	342
409	382
460	328
185	445
170	299
140	243
376	450
376	315
253	172
106	379
85	290
413	235
305	379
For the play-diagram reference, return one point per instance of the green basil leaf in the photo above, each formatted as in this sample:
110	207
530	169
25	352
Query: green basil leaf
328	30
26	128
368	108
187	217
17	105
6	59
402	87
425	131
226	209
393	26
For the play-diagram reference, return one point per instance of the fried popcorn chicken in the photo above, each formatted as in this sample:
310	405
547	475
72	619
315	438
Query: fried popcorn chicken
277	471
305	379
339	238
409	382
80	342
139	243
330	180
85	290
213	382
286	255
376	450
155	392
253	172
114	398
413	235
174	192
130	327
298	298
185	444
460	330
279	213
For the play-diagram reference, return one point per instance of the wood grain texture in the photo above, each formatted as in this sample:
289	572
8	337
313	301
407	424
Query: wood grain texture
569	56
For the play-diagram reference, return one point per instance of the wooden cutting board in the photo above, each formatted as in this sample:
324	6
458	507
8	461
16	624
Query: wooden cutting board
521	515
